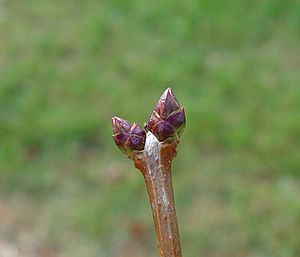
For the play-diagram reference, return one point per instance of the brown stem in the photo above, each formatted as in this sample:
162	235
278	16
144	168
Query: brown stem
155	164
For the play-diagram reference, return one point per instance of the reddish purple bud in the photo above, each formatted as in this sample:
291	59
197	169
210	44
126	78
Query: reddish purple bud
137	130
120	125
163	130
177	119
120	140
168	118
136	142
154	118
127	136
167	104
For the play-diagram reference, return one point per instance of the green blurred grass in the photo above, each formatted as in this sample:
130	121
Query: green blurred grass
67	66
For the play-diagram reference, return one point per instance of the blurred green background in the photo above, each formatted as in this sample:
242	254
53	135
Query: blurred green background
67	66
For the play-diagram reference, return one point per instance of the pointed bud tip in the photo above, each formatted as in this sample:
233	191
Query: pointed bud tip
169	89
167	93
120	125
115	120
166	104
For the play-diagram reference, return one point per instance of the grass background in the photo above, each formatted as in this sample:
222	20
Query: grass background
67	66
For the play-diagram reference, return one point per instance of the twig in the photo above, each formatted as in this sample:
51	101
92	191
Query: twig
152	153
155	164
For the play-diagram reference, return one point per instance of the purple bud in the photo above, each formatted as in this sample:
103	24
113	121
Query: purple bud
136	142
168	118
137	130
127	136
120	125
177	119
162	130
154	118
120	140
167	104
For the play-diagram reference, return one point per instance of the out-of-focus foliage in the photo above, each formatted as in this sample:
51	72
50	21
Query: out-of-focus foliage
67	66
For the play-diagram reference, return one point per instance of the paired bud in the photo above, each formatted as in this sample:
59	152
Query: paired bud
168	118
127	136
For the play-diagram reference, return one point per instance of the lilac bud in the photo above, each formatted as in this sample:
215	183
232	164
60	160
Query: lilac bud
168	118
167	104
127	136
177	119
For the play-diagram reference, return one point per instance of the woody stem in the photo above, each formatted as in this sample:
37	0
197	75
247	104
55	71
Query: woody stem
155	164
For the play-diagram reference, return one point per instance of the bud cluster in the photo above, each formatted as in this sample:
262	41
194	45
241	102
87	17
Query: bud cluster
167	120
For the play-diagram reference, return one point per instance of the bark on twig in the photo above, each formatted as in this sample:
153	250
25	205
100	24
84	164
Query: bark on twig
154	162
